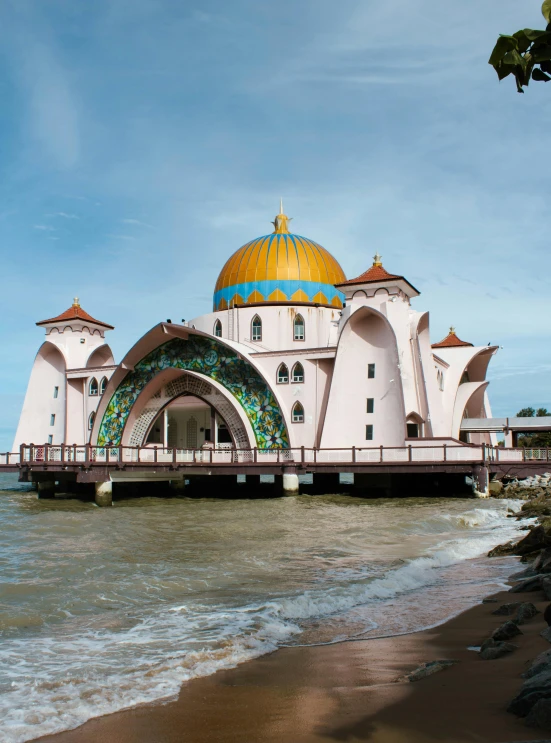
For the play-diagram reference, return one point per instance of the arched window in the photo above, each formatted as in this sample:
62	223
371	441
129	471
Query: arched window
91	420
256	329
283	374
93	386
102	385
298	328
218	329
298	373
298	413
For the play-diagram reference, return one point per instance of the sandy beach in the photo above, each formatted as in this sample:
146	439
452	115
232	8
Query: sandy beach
348	692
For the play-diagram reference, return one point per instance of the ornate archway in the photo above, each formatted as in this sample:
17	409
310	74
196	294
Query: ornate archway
211	359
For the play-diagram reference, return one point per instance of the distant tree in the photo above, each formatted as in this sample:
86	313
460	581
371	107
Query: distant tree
526	413
542	412
526	54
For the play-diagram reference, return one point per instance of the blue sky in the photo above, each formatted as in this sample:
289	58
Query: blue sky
143	141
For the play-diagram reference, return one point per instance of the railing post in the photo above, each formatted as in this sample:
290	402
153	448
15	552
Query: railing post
524	454
21	453
87	455
445	447
354	454
62	452
107	454
155	454
410	456
302	454
278	455
255	454
381	453
315	455
173	455
46	452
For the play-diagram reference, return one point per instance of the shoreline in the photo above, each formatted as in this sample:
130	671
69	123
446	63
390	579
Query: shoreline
348	691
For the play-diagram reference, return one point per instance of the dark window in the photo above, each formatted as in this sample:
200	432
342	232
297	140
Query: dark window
298	413
413	431
102	385
93	387
369	433
52	420
91	420
218	329
371	371
256	329
299	328
56	392
283	374
370	404
298	373
50	439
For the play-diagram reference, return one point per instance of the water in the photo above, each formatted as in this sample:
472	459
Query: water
102	609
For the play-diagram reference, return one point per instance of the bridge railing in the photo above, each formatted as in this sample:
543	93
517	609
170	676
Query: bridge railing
88	455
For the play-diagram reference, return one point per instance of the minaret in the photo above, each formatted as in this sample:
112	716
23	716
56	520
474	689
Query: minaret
62	395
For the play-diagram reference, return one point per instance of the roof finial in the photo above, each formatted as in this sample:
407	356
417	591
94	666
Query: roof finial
281	222
452	330
76	302
377	259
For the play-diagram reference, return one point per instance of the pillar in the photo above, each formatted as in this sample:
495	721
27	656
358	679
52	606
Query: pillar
46	489
104	494
327	483
178	487
290	481
481	481
509	440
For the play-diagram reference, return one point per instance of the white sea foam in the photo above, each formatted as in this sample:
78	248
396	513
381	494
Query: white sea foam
85	661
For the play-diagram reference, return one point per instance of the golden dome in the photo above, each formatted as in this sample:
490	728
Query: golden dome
281	267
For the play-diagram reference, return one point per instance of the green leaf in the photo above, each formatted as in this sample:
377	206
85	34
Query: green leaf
540	76
532	34
523	41
546	10
541	53
504	44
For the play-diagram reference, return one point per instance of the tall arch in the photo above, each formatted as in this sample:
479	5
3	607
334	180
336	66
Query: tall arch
208	358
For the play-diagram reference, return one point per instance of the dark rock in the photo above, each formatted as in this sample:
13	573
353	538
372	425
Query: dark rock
505	610
540	664
535	539
536	688
547	614
524	613
540	715
495	487
497	650
427	669
546	634
489	601
506	632
542	557
546	585
527	586
503	549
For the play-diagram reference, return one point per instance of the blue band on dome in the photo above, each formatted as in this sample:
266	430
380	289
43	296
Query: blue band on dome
288	287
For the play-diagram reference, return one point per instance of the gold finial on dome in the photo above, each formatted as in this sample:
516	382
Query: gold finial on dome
76	302
281	222
377	259
452	330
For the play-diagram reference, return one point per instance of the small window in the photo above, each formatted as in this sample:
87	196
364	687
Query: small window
91	420
52	420
56	393
298	325
283	374
102	385
298	373
298	413
413	430
371	371
441	381
370	405
50	439
218	329
93	387
256	329
369	433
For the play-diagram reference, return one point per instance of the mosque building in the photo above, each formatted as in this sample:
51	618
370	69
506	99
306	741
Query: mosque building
293	354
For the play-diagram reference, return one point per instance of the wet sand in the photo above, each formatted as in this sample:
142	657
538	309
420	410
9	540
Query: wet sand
347	692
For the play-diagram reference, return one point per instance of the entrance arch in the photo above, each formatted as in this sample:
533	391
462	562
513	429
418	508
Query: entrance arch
187	383
212	360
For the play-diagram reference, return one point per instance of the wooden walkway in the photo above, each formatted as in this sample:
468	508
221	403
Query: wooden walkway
88	463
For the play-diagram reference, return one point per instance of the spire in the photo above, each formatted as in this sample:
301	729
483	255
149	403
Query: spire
76	302
281	222
452	330
377	259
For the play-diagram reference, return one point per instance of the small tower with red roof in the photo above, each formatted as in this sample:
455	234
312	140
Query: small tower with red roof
71	371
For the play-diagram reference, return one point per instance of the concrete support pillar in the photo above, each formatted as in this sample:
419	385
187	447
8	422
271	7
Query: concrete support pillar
327	483
46	489
481	481
104	494
509	439
290	481
178	487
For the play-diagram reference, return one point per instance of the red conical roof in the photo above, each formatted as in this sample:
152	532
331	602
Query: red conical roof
375	274
451	341
75	312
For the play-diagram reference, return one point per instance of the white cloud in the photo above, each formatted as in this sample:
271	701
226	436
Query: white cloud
64	215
